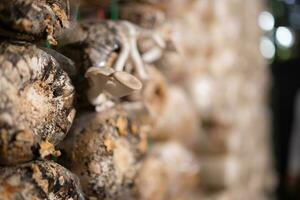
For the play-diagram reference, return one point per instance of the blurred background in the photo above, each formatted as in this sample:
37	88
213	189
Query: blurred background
281	23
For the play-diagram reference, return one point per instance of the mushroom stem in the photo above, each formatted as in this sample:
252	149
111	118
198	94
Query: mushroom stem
134	53
156	37
124	54
152	55
137	60
159	40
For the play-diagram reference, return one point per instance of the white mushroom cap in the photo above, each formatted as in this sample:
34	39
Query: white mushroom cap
122	84
97	78
106	79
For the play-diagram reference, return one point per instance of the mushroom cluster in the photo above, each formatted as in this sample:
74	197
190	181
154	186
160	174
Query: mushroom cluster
107	53
134	108
105	146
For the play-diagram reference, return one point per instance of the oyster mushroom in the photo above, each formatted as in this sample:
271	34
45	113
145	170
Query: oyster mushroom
135	38
97	78
106	44
39	180
152	44
123	85
131	36
105	79
36	102
105	150
31	20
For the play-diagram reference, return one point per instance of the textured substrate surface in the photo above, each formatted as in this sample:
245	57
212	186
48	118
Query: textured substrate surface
36	102
39	180
105	150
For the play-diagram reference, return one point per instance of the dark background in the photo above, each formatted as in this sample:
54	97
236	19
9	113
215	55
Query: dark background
285	69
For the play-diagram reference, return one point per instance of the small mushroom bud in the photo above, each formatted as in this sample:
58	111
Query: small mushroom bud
37	19
39	180
105	150
36	102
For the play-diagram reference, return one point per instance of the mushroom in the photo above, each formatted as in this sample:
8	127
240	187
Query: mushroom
132	34
109	44
124	52
152	55
105	79
155	32
123	84
97	78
